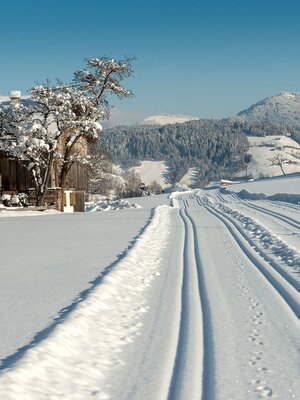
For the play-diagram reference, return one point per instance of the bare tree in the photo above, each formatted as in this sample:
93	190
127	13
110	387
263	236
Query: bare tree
279	160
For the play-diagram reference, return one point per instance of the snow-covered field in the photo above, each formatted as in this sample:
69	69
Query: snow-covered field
150	171
280	184
262	149
197	300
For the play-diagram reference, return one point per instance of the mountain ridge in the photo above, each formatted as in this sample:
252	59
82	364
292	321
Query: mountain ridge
282	110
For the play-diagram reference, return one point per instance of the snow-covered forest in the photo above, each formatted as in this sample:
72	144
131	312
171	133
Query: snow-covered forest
215	148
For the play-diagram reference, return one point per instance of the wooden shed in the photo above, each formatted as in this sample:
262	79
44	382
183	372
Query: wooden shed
15	178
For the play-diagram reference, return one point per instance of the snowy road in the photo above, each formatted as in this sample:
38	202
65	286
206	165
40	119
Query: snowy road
205	305
253	328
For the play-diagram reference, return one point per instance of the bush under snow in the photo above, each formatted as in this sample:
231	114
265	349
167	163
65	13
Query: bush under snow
109	205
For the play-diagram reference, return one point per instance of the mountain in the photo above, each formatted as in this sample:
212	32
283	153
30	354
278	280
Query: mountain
167	119
281	110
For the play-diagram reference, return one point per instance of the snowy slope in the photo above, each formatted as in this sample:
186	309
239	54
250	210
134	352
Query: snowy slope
150	171
189	178
282	109
289	184
262	149
166	119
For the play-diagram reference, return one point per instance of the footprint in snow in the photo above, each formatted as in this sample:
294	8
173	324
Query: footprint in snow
264	391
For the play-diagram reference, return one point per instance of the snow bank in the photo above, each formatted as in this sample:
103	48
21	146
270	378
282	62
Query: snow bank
109	205
289	183
81	357
286	197
174	196
177	188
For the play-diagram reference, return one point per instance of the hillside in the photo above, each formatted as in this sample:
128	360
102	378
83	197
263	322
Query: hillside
281	110
150	171
213	147
263	149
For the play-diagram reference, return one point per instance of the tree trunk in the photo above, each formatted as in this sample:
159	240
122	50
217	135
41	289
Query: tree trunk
41	201
281	167
63	179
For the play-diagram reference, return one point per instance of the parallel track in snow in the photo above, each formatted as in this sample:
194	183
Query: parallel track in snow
286	206
288	220
193	367
282	283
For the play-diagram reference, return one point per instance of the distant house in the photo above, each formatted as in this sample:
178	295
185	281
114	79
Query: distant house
15	177
226	182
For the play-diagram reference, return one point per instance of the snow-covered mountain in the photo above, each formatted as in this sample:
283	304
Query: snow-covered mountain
166	119
282	109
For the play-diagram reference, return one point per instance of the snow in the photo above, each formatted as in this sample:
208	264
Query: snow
150	171
24	212
14	93
264	148
109	205
108	324
189	178
167	119
282	110
288	184
195	301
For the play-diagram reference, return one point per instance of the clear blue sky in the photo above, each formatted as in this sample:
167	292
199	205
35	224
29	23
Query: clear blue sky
202	58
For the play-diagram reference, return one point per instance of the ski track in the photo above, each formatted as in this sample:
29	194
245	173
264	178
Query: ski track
286	285
279	226
288	220
284	258
187	371
221	330
287	297
193	369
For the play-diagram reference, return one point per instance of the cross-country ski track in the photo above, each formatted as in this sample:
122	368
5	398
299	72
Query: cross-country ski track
205	305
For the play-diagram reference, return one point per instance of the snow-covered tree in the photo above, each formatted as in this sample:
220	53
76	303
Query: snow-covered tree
154	188
61	119
23	136
133	184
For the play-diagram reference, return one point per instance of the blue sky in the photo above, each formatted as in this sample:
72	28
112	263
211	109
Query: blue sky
202	58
